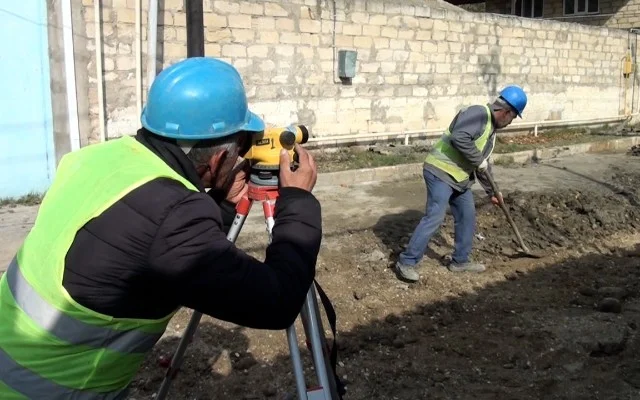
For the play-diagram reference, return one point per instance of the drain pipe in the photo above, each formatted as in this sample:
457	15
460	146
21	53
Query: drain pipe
436	133
99	74
333	44
152	41
70	75
635	31
138	51
195	28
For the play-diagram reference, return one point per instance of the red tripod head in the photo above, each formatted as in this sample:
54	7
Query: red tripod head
261	193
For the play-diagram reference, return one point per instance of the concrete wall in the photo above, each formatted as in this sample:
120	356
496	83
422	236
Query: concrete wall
622	14
416	66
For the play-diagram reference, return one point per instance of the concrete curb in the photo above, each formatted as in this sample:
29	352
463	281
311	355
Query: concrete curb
395	172
366	175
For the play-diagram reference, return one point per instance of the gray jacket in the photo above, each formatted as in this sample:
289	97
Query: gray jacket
467	126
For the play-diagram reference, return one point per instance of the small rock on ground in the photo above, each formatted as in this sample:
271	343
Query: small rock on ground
610	305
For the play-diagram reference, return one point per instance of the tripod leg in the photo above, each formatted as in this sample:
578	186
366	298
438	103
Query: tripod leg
268	207
242	208
242	211
311	318
323	342
298	371
176	360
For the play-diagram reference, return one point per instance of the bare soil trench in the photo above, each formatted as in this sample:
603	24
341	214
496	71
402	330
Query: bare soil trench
561	327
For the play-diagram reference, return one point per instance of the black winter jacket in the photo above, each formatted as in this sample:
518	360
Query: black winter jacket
163	246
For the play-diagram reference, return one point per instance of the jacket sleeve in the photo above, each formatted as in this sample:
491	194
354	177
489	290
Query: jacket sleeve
211	275
466	128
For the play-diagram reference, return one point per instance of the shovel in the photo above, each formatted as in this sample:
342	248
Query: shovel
524	250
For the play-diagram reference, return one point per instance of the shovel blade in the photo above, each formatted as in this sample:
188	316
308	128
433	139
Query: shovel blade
528	253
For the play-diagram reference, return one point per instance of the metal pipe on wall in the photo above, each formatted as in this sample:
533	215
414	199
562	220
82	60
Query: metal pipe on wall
99	73
138	51
195	27
70	75
633	83
333	43
152	41
635	31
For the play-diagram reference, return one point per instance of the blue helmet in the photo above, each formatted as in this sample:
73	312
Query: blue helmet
198	98
516	97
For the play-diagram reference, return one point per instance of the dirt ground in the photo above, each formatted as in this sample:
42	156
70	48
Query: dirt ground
561	327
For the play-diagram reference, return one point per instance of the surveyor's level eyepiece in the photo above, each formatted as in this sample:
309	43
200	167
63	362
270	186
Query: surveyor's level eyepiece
288	138
265	148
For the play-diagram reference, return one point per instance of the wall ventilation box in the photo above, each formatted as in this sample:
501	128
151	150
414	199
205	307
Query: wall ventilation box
347	64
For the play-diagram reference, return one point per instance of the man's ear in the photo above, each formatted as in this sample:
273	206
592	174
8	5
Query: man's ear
217	161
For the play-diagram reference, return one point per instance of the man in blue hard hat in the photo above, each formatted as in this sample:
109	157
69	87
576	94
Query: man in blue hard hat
450	171
127	234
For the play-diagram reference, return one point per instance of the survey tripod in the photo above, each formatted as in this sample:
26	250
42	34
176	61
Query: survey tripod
323	359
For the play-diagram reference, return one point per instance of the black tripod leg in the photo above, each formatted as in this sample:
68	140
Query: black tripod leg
178	356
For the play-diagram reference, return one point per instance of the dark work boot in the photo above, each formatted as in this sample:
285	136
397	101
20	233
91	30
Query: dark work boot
407	272
466	267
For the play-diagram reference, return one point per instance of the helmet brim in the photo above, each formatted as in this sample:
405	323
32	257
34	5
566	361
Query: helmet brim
515	110
254	124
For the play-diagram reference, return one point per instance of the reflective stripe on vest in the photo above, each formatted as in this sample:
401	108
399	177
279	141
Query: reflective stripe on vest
445	157
34	386
69	329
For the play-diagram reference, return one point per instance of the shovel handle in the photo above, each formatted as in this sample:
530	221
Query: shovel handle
504	208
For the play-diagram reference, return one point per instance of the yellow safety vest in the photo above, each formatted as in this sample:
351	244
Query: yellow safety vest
51	347
445	157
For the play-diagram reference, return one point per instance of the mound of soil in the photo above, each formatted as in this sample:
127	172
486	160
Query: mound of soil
546	221
562	219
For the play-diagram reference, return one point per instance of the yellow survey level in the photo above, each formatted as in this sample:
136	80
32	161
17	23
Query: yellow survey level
265	148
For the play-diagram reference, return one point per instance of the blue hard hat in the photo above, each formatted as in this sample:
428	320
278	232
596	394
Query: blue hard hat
516	97
198	98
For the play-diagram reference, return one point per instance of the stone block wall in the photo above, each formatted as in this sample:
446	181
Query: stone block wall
416	66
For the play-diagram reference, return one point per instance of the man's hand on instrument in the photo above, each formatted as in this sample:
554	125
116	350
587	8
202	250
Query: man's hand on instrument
304	177
240	178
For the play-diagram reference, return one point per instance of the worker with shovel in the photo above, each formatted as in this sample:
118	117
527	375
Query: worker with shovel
450	171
